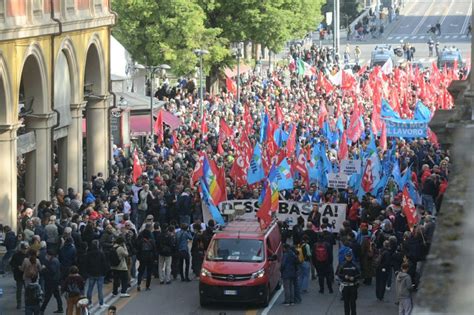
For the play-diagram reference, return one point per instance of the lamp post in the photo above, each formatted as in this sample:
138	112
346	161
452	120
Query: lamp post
200	53
238	54
152	70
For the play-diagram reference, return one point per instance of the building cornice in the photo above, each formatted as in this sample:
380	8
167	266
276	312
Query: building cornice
15	32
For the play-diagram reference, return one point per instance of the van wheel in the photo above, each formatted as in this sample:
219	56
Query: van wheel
266	297
203	302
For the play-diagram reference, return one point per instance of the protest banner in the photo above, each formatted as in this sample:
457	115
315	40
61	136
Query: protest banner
350	167
287	210
337	180
403	128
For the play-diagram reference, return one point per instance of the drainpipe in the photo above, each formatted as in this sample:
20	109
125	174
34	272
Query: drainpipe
114	96
58	115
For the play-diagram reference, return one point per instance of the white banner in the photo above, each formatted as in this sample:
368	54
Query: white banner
335	212
350	167
337	180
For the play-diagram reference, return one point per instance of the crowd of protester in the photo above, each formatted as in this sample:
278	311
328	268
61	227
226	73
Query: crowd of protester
118	229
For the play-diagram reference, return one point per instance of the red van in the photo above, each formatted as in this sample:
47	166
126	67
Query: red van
242	264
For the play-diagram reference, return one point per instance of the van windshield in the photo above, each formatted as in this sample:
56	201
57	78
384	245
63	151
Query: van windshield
236	249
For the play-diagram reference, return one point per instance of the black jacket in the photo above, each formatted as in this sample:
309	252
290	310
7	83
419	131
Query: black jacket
349	269
96	263
15	263
10	240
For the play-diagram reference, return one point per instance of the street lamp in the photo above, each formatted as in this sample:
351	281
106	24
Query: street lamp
200	53
238	54
153	70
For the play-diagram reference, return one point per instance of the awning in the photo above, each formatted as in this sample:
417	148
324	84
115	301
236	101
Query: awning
230	73
140	124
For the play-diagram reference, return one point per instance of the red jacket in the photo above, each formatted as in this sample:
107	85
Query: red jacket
353	214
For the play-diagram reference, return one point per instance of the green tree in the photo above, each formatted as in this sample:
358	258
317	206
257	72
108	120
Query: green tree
268	22
167	31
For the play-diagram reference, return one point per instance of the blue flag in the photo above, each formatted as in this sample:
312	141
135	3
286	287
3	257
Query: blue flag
406	177
387	110
255	172
380	188
339	124
285	180
215	213
414	195
280	136
263	128
397	176
422	112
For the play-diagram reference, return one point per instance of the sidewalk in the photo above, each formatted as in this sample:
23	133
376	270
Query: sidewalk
8	300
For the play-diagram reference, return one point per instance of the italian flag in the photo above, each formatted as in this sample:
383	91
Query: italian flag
305	69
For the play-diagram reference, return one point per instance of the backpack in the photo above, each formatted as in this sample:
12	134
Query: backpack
114	258
33	294
321	253
73	289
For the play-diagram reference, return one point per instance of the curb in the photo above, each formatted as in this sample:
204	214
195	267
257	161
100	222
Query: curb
110	299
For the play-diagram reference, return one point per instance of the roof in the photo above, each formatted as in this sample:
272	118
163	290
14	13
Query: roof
244	229
137	101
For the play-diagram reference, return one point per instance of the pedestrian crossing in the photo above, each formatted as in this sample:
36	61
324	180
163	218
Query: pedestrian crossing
426	37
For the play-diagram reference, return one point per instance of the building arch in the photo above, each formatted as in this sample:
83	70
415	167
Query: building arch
35	83
68	49
94	71
6	102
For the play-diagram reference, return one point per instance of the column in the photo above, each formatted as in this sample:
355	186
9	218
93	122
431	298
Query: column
74	150
8	176
97	116
38	162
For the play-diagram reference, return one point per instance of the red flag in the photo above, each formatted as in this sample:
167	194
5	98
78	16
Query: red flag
137	168
409	208
220	150
323	113
220	178
291	143
432	137
198	171
343	151
348	81
300	167
239	169
278	114
203	124
355	125
230	85
225	129
383	137
159	127
367	179
264	213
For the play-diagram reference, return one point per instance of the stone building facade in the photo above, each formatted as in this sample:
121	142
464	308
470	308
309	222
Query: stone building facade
54	74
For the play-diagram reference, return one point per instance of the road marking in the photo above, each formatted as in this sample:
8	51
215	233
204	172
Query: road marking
413	37
421	37
398	37
447	12
422	59
425	16
455	36
389	38
467	19
447	36
273	301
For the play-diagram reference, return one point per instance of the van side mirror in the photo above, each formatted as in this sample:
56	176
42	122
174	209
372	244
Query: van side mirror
273	257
